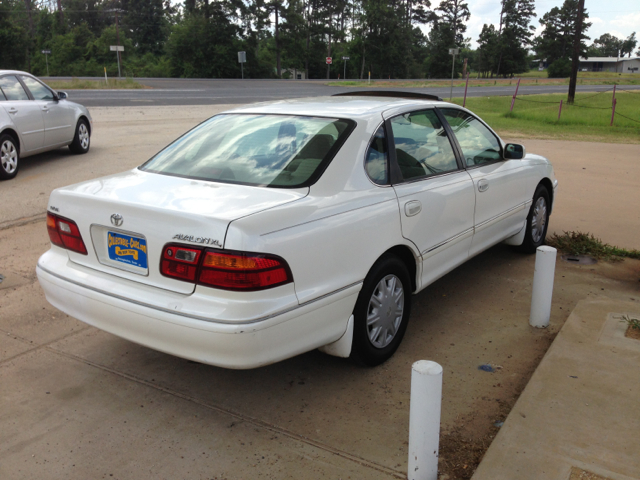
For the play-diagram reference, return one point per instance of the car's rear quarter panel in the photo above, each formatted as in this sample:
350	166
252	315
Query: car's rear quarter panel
332	237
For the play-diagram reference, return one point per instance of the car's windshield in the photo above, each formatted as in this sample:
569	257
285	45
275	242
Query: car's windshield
266	150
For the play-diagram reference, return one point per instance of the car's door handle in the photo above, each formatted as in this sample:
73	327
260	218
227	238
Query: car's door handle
13	110
45	109
412	208
483	185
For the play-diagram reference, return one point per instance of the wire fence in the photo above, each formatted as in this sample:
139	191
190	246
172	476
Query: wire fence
562	104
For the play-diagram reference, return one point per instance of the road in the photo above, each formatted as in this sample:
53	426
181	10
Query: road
176	91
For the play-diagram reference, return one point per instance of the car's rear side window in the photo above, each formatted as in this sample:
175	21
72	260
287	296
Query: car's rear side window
266	150
377	160
12	88
422	146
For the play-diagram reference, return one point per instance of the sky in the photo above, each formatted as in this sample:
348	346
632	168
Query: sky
619	18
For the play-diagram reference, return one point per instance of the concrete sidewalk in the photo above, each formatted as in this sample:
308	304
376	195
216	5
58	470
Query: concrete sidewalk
580	411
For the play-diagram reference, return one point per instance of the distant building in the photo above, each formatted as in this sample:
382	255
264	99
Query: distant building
610	64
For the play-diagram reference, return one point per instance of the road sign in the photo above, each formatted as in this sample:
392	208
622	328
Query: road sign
329	60
117	48
345	58
242	57
46	52
454	51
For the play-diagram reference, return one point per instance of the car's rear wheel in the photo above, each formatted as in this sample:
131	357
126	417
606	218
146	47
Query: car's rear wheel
82	139
537	221
9	157
382	312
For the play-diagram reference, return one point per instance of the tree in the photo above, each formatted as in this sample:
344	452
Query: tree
13	33
628	45
606	45
146	25
455	13
556	40
515	36
487	54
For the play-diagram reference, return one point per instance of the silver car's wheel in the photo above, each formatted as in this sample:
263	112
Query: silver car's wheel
385	311
9	157
82	139
539	219
83	135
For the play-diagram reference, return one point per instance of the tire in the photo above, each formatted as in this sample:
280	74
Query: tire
537	221
374	343
82	138
9	157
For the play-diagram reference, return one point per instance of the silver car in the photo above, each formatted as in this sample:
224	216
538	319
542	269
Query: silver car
35	119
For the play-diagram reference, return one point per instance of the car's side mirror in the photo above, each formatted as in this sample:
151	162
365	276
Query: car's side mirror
514	151
62	95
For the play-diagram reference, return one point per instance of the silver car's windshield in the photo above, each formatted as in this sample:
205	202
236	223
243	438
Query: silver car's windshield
266	150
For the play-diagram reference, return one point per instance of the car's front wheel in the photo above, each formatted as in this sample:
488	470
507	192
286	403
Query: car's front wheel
9	157
537	221
382	312
82	139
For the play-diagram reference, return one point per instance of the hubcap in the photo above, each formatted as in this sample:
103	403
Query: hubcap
538	219
83	135
385	310
8	156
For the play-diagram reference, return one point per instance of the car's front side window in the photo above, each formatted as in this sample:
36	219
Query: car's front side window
12	88
421	145
266	150
478	144
38	90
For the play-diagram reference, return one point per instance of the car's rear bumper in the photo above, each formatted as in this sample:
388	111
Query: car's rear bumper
230	345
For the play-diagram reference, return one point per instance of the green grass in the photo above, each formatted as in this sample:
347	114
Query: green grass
531	119
633	323
77	84
578	243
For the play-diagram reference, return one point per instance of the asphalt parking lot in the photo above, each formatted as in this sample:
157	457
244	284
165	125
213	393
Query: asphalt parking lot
76	402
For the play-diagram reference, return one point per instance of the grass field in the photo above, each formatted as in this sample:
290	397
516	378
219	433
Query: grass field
77	84
587	120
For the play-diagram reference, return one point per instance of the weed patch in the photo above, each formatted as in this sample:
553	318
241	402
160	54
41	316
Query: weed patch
579	243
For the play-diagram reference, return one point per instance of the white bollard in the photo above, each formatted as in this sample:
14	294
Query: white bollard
424	420
542	287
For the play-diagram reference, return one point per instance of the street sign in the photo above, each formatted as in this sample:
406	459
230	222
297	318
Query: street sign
345	58
329	60
46	52
454	51
242	57
117	48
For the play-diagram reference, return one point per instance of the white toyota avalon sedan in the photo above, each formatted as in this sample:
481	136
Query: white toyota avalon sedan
277	228
35	119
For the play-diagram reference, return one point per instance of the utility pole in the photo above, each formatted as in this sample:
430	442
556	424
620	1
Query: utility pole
575	62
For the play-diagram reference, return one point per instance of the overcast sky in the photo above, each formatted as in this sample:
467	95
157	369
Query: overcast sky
617	17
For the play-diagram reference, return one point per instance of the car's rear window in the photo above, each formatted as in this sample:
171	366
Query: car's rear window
266	150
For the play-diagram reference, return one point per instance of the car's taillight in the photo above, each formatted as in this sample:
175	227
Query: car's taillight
65	233
228	270
180	262
243	271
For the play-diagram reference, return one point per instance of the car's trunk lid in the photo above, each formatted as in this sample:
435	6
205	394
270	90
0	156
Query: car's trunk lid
126	219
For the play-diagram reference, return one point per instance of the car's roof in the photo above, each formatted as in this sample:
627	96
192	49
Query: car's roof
339	106
4	72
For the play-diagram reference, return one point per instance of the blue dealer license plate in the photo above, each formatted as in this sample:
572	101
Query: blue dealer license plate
127	249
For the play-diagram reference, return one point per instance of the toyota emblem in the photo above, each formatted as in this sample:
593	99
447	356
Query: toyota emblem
116	219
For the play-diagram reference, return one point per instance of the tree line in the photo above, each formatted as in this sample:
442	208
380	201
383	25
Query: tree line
201	38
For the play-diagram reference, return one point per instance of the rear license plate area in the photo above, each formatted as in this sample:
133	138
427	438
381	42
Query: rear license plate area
127	249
